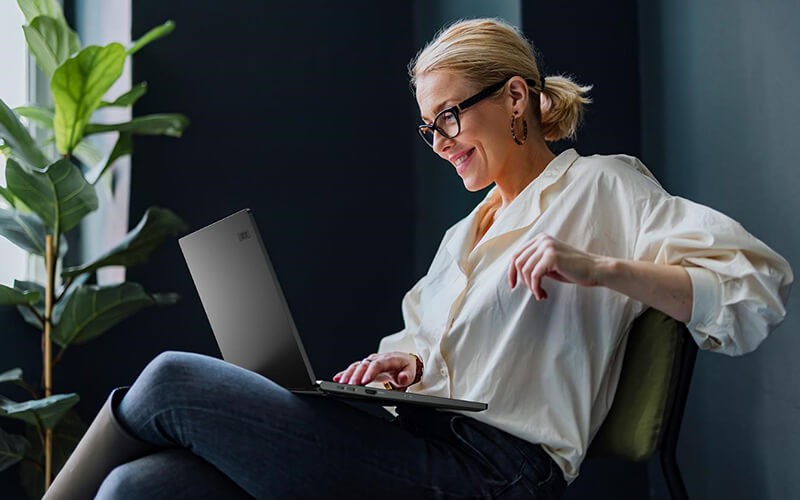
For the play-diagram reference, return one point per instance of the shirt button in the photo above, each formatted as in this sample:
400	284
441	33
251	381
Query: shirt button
443	372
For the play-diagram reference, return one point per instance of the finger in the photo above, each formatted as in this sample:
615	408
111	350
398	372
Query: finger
513	274
403	378
381	365
345	375
526	264
539	271
355	378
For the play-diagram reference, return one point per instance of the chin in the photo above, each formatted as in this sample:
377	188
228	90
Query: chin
473	185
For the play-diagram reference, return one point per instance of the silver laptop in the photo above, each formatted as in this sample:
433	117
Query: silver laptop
251	319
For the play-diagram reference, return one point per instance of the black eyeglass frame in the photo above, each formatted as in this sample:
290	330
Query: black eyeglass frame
457	109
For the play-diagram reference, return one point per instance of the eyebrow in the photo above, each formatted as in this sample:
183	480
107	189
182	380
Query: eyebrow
442	105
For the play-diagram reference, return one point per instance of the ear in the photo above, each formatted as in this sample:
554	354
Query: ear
518	90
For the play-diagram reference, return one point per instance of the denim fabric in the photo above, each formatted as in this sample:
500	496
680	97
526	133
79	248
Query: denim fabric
228	433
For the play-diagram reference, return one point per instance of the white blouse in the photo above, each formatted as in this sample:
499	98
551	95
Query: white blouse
549	369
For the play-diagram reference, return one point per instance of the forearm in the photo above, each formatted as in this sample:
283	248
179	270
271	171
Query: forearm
667	288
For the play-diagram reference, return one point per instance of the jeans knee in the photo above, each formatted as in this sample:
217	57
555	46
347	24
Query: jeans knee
169	367
123	482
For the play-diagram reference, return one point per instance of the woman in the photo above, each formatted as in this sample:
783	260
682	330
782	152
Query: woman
525	306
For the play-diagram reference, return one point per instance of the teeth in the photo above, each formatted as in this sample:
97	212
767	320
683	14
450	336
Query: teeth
461	159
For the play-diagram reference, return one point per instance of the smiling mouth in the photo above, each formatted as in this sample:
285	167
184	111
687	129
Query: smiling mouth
461	159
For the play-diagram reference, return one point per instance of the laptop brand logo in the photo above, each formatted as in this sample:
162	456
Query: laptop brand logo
243	235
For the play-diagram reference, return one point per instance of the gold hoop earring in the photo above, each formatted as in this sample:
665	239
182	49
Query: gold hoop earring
514	132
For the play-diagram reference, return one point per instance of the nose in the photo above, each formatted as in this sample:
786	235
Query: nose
441	143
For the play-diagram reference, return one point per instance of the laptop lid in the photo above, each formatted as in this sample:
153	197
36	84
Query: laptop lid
251	320
244	302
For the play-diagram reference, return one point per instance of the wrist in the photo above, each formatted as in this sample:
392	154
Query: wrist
418	370
607	271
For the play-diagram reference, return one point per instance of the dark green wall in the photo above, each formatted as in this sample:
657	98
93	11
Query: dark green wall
720	119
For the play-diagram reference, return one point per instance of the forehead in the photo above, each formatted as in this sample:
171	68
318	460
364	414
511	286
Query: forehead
437	90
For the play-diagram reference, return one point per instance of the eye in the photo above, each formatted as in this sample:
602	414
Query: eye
449	117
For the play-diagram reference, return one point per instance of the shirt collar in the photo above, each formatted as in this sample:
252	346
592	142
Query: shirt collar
523	211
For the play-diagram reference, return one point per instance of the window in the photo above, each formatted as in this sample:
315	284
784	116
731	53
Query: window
14	92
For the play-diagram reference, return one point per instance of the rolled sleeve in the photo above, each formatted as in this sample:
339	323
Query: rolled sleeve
739	285
705	306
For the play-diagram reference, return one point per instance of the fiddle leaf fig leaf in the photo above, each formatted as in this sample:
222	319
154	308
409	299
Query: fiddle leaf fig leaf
92	310
23	229
156	225
12	449
88	153
151	36
171	124
9	197
14	375
129	98
25	311
18	140
37	114
66	435
123	147
35	8
78	86
45	412
59	194
12	296
51	42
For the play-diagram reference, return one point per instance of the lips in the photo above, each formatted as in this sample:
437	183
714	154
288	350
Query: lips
461	161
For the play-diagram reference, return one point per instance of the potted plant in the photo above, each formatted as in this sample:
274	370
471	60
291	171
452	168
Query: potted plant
49	190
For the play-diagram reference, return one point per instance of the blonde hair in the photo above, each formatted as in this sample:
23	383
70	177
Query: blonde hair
486	51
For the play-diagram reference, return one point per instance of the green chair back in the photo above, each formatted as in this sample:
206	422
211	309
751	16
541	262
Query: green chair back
647	411
635	424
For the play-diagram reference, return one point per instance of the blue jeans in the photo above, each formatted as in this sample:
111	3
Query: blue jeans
225	432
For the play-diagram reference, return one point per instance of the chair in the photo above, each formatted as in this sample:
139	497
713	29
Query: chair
647	411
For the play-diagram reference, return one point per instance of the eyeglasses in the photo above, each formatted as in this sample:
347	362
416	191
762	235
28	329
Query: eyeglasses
447	121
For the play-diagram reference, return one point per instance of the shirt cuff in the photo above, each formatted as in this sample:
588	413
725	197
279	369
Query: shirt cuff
705	301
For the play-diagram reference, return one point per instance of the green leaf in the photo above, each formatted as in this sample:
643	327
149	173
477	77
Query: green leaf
35	8
11	296
28	315
59	195
129	98
123	147
16	137
138	244
58	309
92	310
171	124
47	411
78	86
151	36
66	435
13	375
23	229
51	42
8	196
12	449
37	114
88	154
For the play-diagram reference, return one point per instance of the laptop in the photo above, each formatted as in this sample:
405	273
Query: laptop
251	320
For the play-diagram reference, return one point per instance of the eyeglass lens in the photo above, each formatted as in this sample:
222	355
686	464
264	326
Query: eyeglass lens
446	123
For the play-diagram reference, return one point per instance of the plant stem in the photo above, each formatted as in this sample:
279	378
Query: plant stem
64	288
48	354
28	387
36	313
59	356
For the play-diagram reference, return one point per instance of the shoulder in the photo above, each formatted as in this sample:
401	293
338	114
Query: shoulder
619	177
622	167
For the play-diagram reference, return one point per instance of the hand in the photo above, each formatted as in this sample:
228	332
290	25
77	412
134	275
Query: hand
398	368
547	256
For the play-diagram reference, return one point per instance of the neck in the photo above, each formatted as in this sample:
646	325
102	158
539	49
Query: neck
526	165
